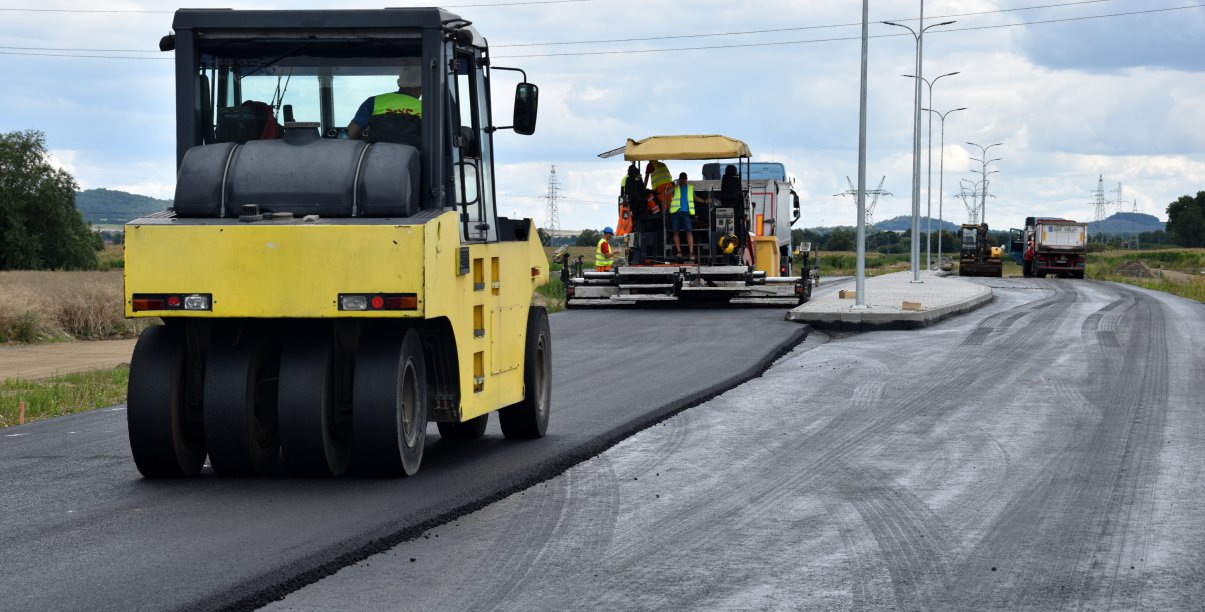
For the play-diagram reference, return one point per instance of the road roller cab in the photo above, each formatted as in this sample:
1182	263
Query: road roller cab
326	287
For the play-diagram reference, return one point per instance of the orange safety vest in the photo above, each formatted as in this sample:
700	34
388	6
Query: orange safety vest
624	227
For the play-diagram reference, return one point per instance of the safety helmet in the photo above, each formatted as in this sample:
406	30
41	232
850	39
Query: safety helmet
608	230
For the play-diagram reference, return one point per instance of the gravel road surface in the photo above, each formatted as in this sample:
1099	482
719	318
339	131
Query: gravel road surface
1043	452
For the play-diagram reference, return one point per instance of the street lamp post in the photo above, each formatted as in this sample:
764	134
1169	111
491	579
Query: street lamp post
860	271
984	161
929	171
919	36
941	169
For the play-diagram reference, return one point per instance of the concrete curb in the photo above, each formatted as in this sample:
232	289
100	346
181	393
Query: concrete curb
943	297
868	321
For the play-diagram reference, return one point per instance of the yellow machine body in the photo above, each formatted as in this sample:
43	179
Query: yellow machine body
296	270
766	255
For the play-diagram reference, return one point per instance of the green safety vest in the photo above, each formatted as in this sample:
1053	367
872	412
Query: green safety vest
385	104
676	203
599	260
661	174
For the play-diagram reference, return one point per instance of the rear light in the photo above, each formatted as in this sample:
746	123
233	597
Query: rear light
378	301
141	302
353	302
197	302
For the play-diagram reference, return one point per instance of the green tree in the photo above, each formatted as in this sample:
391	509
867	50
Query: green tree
39	225
1186	220
840	239
588	238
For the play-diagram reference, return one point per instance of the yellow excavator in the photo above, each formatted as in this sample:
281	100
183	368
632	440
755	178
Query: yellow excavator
324	295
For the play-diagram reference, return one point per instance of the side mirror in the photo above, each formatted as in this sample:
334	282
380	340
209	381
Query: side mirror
794	207
527	98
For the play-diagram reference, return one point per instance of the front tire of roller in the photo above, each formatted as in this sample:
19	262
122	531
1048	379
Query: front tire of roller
240	405
315	438
167	437
389	403
528	419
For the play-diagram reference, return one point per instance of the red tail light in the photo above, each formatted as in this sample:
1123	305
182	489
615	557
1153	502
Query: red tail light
377	301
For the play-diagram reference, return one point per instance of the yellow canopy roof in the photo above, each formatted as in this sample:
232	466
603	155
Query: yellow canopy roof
710	146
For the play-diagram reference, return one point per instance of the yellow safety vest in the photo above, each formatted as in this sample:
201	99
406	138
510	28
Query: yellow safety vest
661	174
676	203
599	259
390	103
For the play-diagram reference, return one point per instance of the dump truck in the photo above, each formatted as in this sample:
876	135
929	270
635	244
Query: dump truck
326	293
1050	246
743	253
976	256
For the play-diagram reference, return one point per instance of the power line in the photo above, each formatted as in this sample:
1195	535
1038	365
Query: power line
846	38
27	51
144	11
797	29
85	50
83	56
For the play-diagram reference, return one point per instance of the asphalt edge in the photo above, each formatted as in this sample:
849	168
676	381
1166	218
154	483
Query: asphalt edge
253	594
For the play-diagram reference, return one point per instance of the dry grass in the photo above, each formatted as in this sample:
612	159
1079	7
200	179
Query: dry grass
39	306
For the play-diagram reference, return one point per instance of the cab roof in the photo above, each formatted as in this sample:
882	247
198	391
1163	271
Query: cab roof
319	20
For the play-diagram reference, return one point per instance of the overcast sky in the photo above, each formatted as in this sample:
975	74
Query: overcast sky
1073	90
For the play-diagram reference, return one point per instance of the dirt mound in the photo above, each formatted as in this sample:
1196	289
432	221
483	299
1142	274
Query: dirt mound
1135	269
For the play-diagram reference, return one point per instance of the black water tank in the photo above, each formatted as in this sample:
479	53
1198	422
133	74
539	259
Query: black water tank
303	176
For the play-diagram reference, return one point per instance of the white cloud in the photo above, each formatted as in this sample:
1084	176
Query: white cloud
1122	97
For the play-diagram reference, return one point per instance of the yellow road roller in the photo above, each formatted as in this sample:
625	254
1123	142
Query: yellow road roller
333	274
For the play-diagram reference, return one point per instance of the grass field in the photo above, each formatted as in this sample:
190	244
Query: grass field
845	263
1177	271
61	395
47	306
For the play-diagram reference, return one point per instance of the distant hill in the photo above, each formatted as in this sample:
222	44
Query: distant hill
1127	223
111	206
904	222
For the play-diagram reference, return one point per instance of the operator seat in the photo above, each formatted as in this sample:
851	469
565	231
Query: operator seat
396	128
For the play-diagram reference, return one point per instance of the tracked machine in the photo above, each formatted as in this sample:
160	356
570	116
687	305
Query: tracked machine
977	257
743	253
323	298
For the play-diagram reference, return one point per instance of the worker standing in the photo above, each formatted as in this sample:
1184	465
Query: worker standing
604	257
681	209
657	176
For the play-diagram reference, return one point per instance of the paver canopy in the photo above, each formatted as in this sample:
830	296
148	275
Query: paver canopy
703	146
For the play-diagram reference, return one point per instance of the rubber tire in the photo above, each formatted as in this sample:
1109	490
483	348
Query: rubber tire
468	430
240	404
315	439
165	439
1038	273
528	419
389	391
